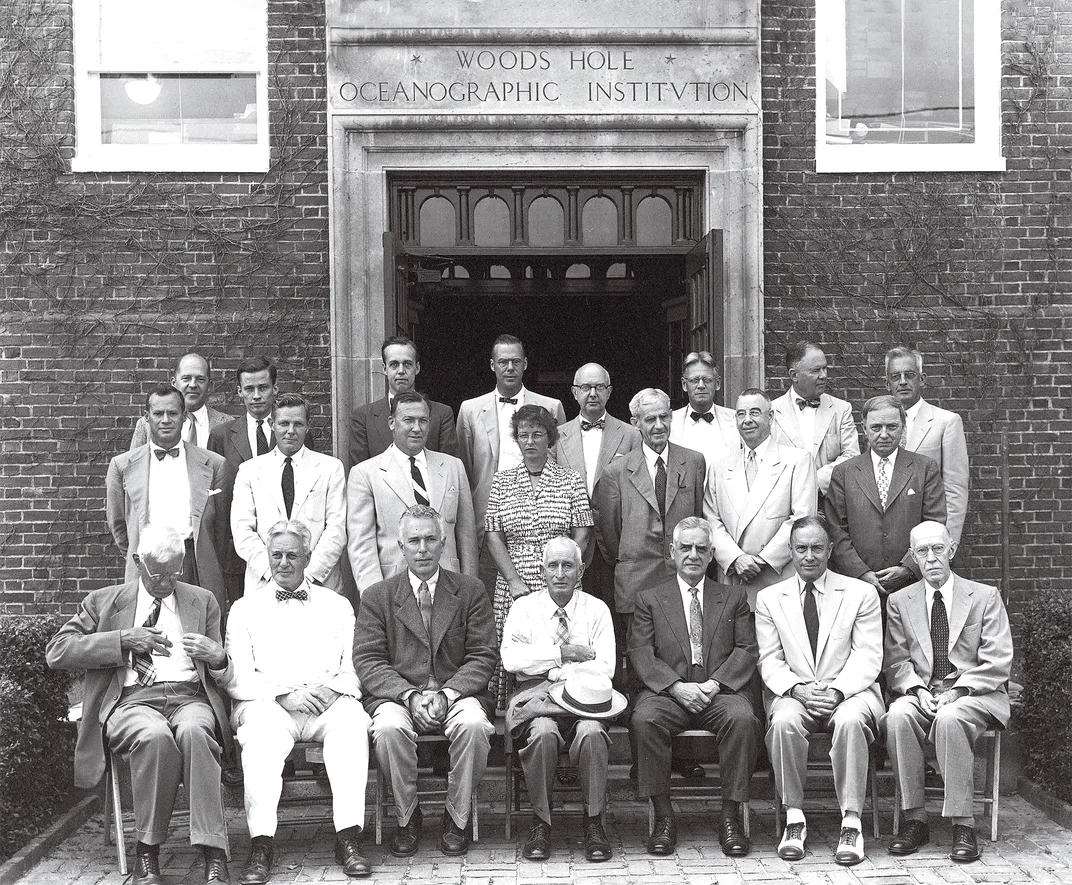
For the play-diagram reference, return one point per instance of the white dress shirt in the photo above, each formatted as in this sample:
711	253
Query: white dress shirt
760	450
891	457
402	459
704	437
509	451
415	586
277	647
591	440
820	592
177	666
947	596
650	457
251	432
528	644
200	418
805	421
169	490
910	416
686	595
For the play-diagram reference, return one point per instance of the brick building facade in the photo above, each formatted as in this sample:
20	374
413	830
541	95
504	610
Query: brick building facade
106	278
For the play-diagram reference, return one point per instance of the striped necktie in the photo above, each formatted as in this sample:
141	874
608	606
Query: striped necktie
142	662
420	490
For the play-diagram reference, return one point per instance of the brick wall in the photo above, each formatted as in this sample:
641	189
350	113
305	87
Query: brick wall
971	269
106	279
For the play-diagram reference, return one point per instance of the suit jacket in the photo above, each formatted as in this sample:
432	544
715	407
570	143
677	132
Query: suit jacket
319	503
757	520
478	444
660	652
980	643
90	641
835	439
866	538
849	650
378	493
629	530
724	429
939	434
393	653
370	435
140	437
127	509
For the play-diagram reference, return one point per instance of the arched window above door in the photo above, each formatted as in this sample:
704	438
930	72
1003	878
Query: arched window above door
437	223
491	222
547	222
599	222
654	222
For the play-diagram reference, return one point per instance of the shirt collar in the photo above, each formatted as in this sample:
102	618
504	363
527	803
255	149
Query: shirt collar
683	585
415	582
796	395
892	458
946	588
305	585
403	458
820	584
179	445
146	599
912	411
276	452
251	422
519	396
550	607
760	450
651	456
602	417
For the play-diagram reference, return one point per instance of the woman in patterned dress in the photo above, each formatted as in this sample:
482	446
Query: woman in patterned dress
529	505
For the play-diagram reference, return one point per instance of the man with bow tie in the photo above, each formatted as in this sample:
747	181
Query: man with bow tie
702	425
193	379
169	482
292	679
948	659
807	417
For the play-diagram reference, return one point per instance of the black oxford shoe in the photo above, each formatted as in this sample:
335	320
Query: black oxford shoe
732	838
538	844
258	867
350	854
663	839
965	847
914	835
405	840
147	869
596	843
455	840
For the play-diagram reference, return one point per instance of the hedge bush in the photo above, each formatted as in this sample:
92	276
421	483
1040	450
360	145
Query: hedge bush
1046	715
36	743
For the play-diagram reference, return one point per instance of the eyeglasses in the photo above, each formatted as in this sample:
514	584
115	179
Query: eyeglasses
925	552
588	388
531	435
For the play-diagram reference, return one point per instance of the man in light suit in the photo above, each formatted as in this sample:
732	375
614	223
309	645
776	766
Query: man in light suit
820	653
170	483
290	482
640	498
424	652
752	498
809	418
381	489
936	433
193	379
586	445
948	659
877	498
702	425
693	649
152	657
370	433
485	443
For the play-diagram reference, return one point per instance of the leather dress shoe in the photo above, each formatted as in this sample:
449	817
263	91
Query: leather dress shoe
538	844
596	843
147	869
350	853
793	840
850	849
405	840
965	847
258	867
914	835
216	872
455	839
663	838
688	768
732	838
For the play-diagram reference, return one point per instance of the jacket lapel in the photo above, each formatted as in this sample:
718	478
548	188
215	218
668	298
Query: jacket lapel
787	420
406	607
379	426
489	416
920	427
916	606
396	481
271	475
137	481
670	600
675	473
191	619
958	610
200	482
569	444
766	478
831	606
865	479
613	434
444	608
793	613
714	608
737	486
240	439
436	479
306	478
900	476
641	480
823	415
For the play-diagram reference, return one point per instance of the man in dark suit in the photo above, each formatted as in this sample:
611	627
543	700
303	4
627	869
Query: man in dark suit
586	445
370	434
424	652
694	652
640	498
152	657
169	482
877	498
193	379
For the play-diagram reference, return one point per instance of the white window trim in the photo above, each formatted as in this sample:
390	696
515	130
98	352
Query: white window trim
91	155
984	155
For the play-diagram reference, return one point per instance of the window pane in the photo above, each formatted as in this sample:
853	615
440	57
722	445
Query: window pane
547	222
599	222
654	222
437	223
491	222
141	108
901	72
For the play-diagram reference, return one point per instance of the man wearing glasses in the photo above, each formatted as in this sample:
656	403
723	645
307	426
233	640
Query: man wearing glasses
947	661
702	425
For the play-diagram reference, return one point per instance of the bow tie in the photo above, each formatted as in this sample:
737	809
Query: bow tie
803	404
706	416
508	399
593	425
160	453
283	595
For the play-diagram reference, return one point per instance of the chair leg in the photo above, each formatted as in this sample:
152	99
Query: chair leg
378	813
746	813
994	784
896	807
509	796
116	801
872	778
777	816
474	813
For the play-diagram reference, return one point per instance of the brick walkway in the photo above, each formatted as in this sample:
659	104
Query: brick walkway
1031	849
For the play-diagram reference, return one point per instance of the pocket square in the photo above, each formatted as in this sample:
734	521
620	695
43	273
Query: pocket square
911	491
215	492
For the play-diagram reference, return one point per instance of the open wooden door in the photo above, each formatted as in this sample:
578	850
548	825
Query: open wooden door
397	286
702	323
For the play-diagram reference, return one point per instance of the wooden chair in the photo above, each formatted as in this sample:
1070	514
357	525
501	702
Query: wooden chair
989	796
113	810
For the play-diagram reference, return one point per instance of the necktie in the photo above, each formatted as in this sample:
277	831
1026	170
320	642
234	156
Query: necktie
262	439
660	485
593	425
811	617
562	629
142	662
161	453
940	637
508	399
803	404
424	602
696	627
283	595
883	481
420	492
904	439
287	485
191	433
706	416
750	468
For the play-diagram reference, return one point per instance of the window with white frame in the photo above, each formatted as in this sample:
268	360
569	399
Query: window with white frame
908	86
166	86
